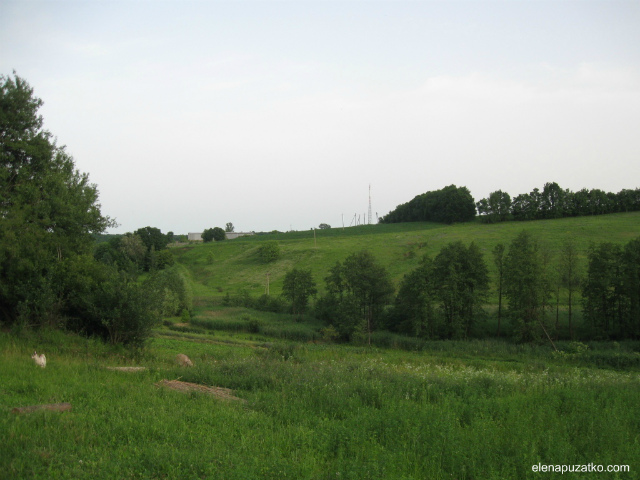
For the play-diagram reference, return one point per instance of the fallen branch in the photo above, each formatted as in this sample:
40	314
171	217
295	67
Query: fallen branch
55	407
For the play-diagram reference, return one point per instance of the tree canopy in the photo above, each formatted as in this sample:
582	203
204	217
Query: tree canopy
448	205
48	209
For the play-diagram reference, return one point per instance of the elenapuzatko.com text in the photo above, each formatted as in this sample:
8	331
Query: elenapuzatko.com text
588	468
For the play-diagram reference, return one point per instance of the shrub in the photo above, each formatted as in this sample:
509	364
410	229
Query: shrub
269	251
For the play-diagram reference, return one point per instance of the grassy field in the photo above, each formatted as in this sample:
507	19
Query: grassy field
402	409
218	268
462	410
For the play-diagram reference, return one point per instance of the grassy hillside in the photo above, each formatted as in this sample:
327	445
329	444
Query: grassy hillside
229	266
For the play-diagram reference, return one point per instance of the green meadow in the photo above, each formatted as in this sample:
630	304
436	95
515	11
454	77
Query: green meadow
312	409
463	410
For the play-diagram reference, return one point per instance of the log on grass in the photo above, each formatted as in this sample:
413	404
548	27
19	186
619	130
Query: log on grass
55	407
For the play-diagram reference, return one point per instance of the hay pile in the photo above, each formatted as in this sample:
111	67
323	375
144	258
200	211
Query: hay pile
218	392
127	369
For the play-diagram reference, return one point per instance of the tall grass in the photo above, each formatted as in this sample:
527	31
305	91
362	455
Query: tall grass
459	410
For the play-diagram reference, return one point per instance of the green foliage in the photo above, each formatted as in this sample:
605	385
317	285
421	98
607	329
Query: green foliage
611	291
495	209
414	311
461	283
173	290
152	238
215	233
48	209
219	234
442	298
105	302
229	227
358	290
269	251
297	288
448	205
207	235
525	286
554	202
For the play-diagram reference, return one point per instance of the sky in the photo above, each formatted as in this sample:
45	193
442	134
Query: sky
281	115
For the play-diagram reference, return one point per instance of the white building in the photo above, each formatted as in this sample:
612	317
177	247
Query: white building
197	237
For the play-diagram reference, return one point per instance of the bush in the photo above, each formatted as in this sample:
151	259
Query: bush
173	291
269	251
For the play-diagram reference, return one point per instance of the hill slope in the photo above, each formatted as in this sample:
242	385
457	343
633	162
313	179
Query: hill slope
229	266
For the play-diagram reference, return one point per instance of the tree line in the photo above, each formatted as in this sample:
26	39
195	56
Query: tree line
555	202
455	204
445	297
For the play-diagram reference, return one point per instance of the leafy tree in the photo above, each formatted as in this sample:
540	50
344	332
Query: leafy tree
152	237
525	286
569	270
448	205
324	226
414	310
173	290
269	251
102	301
297	288
498	260
219	234
229	227
360	288
48	209
497	208
462	282
553	201
134	248
603	291
631	286
207	235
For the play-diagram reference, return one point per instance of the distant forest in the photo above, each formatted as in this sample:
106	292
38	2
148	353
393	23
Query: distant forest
455	204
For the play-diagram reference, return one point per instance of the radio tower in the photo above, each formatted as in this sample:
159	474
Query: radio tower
369	216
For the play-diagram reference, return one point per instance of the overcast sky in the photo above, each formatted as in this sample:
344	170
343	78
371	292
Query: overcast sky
280	114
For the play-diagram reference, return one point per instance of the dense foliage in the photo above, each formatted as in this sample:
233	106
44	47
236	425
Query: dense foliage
358	289
555	202
297	288
49	214
48	209
448	205
442	298
269	251
612	290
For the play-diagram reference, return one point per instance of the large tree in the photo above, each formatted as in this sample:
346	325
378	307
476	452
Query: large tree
525	286
462	282
297	288
48	209
414	310
360	288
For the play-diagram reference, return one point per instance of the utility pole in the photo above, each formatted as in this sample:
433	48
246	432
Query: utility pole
369	218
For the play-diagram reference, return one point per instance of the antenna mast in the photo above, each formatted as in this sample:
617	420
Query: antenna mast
369	217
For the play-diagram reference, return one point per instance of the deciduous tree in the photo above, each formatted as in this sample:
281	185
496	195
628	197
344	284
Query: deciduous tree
297	288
